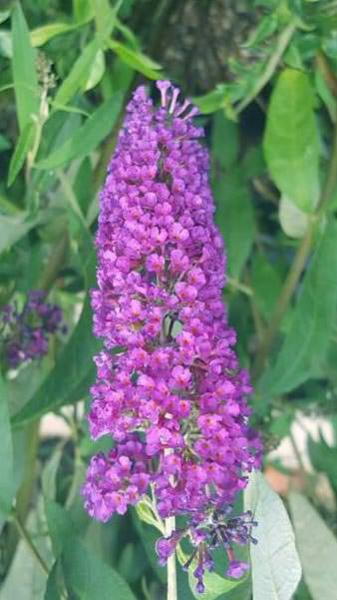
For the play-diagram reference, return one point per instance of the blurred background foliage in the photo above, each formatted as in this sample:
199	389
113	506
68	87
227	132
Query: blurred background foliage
264	74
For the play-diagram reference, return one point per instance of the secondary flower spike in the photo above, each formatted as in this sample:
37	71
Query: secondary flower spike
172	397
25	333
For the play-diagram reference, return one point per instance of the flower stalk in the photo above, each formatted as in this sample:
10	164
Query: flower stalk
172	593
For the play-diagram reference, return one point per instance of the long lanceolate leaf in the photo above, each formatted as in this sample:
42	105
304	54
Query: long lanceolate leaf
78	75
24	71
310	331
22	148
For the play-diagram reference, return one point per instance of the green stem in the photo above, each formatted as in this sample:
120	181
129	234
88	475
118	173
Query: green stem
271	65
283	299
26	537
172	593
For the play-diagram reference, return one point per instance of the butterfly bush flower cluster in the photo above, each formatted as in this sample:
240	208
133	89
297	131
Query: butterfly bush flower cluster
173	397
25	333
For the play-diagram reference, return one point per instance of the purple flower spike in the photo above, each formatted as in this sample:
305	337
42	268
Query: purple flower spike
175	393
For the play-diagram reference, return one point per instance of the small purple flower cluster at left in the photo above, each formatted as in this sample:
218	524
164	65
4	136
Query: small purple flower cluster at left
24	334
174	397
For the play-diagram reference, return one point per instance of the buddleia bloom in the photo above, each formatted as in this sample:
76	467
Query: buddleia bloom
169	389
25	332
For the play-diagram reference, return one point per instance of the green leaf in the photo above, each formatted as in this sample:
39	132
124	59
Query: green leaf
183	586
25	579
148	536
96	72
90	578
41	35
276	570
24	72
117	78
235	218
83	10
216	586
55	583
225	140
73	373
213	101
28	380
145	514
126	32
105	18
78	75
24	144
266	27
6	45
14	227
242	592
136	59
5	144
317	548
6	455
4	14
50	472
266	284
293	220
83	185
87	137
132	562
325	93
253	163
291	143
60	526
311	322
